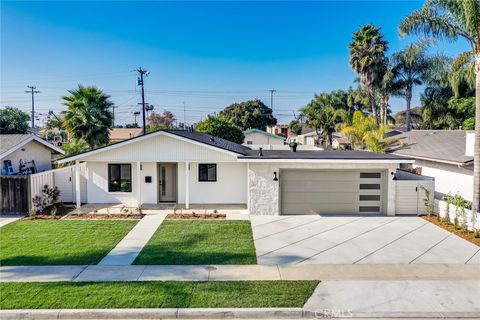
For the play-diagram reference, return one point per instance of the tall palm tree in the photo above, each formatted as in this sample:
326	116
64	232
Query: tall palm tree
87	116
321	114
453	19
367	55
387	86
412	66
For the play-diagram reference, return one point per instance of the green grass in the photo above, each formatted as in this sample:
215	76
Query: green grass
200	242
170	294
59	242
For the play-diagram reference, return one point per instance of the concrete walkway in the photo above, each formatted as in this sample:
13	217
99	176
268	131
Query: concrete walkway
297	240
128	249
7	218
237	272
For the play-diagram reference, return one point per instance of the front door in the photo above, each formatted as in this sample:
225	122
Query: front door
167	182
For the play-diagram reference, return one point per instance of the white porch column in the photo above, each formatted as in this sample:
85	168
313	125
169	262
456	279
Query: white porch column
187	185
139	183
78	199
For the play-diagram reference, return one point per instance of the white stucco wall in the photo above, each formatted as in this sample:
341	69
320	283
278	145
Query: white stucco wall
230	187
449	178
264	193
261	139
97	184
31	151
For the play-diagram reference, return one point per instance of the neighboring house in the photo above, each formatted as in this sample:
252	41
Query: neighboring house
120	134
26	153
446	155
279	129
341	143
260	137
188	167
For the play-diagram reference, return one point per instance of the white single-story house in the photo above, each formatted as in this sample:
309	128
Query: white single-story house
26	154
188	167
260	137
446	155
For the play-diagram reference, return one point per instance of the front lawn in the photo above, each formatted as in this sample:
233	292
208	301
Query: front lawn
59	242
200	242
155	294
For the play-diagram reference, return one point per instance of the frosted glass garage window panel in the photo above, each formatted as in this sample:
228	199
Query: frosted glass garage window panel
207	172
119	178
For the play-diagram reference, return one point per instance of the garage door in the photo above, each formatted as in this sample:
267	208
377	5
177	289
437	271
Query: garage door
334	192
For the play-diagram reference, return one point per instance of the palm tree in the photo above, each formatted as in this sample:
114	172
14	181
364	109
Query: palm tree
412	66
367	55
453	19
87	117
365	133
321	114
387	86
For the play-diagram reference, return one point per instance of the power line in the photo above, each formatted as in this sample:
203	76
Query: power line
271	98
32	91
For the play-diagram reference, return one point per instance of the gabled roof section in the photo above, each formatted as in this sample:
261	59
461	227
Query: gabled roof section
12	142
264	132
193	136
447	146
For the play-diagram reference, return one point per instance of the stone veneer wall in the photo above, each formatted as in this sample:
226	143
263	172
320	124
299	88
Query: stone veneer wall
264	193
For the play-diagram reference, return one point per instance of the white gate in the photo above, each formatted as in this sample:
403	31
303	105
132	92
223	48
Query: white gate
411	193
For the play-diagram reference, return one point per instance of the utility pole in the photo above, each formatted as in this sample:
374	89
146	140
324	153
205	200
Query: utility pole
32	91
184	117
113	116
135	114
271	98
142	73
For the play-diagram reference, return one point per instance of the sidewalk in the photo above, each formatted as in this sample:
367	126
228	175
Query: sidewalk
237	272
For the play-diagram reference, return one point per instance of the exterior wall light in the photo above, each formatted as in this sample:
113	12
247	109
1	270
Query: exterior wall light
275	176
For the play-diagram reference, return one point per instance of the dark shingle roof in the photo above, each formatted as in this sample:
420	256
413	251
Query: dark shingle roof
211	140
442	145
330	154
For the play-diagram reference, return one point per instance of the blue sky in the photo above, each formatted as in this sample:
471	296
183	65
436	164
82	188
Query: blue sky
207	55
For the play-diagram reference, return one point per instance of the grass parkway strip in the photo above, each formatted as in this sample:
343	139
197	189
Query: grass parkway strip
187	242
60	242
155	294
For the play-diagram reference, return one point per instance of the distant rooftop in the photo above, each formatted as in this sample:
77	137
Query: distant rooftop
327	154
435	145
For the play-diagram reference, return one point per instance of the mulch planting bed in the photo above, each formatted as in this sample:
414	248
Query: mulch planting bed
469	236
189	216
100	216
46	214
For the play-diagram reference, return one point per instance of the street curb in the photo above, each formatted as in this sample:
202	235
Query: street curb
167	313
218	313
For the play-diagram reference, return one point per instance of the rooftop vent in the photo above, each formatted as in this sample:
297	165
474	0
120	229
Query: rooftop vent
260	152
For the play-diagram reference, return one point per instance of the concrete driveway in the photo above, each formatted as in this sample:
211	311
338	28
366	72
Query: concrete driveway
357	240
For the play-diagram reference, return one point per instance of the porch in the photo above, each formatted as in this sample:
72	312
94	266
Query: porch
194	186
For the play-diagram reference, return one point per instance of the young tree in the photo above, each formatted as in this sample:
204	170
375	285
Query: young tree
219	127
13	121
453	19
88	116
367	55
252	114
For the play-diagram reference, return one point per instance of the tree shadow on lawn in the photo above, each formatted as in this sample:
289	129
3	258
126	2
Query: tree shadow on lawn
195	250
92	257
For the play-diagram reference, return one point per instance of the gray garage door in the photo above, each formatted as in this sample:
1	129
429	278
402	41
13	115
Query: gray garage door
334	192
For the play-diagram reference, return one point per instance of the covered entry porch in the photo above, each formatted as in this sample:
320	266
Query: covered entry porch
163	184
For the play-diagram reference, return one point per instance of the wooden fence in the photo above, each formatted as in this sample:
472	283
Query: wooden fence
14	194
